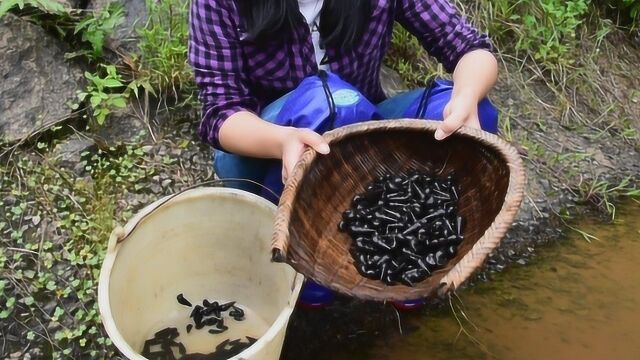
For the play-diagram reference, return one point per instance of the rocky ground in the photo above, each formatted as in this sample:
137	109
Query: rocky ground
65	181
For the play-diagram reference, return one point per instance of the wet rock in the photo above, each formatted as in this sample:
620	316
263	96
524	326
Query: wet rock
392	83
68	153
36	82
482	276
155	188
135	15
135	200
10	200
35	354
162	151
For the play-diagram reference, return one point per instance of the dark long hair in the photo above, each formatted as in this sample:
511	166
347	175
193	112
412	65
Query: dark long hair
342	22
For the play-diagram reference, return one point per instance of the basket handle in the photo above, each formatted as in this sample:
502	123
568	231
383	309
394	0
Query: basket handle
280	240
281	235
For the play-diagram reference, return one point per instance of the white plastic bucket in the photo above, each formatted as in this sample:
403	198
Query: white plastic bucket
206	243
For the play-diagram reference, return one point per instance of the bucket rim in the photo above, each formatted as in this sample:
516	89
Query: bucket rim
119	234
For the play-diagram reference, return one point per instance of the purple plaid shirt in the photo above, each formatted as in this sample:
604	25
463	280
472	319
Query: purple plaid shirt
233	74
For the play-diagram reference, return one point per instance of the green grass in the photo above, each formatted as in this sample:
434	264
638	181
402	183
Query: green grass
409	59
162	59
604	193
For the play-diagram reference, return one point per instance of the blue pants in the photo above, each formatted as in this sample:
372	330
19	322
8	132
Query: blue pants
233	166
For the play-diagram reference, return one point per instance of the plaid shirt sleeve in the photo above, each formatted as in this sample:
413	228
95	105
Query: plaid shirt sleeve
441	29
217	60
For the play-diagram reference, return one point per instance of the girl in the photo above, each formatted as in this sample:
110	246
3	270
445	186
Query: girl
248	53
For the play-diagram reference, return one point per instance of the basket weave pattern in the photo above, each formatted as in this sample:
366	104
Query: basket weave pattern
487	169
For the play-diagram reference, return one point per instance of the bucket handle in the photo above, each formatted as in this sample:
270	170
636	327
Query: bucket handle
119	234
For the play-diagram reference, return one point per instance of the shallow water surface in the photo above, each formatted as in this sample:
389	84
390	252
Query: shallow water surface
576	300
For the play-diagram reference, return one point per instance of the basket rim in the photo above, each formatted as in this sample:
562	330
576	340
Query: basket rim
476	256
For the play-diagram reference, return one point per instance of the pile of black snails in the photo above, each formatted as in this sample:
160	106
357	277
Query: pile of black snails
404	227
164	344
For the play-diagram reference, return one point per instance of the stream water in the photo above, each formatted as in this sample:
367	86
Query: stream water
577	299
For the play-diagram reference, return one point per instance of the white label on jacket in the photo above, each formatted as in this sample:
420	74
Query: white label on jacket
345	97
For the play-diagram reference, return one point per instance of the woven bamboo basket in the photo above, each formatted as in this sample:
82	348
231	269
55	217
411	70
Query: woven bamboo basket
488	170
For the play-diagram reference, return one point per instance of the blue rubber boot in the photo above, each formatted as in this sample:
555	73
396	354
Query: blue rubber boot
314	295
409	305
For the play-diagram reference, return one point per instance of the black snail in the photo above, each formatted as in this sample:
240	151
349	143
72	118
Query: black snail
164	343
210	314
225	350
404	227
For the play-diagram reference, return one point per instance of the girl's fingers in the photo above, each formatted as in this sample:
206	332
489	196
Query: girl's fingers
474	122
315	141
292	154
450	124
447	110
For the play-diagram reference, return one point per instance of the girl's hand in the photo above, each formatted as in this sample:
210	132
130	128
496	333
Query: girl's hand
294	143
461	110
474	76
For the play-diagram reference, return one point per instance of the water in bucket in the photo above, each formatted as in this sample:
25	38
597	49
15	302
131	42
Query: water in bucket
200	340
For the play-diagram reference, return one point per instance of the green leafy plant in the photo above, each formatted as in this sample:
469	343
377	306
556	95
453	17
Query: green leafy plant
163	46
95	27
48	6
545	29
100	95
48	278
